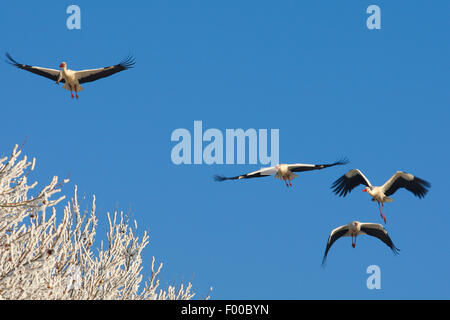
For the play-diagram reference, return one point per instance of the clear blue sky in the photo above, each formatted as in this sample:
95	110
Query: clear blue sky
315	72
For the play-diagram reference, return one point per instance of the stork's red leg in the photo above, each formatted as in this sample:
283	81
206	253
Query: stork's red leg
290	182
384	215
353	242
381	213
70	87
76	94
287	185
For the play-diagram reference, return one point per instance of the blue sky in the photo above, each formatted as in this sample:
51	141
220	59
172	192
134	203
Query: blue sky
314	71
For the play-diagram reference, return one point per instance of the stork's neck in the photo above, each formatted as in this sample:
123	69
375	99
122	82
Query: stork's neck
354	227
372	191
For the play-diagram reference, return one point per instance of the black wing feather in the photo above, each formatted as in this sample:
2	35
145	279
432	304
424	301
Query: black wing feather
417	186
321	166
126	64
331	239
382	235
244	176
31	69
345	185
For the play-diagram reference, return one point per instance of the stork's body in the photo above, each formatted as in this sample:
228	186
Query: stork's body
354	229
378	195
70	79
285	174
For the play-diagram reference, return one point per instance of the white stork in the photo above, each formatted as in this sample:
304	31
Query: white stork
354	229
71	78
282	171
400	179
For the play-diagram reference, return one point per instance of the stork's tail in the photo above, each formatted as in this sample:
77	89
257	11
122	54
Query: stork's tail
79	88
385	199
292	176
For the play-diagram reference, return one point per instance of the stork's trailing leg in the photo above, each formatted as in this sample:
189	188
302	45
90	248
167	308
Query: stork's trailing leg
381	212
353	241
384	215
76	94
70	87
290	184
285	181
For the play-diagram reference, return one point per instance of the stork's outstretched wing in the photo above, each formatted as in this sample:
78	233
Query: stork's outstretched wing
377	230
349	181
51	74
334	235
300	167
406	180
84	76
264	172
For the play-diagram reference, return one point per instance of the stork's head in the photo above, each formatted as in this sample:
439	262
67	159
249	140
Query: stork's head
63	65
353	226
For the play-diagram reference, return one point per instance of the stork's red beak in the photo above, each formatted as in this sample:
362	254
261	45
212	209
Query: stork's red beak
61	65
365	190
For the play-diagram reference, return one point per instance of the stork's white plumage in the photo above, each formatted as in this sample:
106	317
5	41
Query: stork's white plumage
72	79
356	228
282	171
400	179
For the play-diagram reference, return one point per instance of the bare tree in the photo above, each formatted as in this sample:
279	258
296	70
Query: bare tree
42	258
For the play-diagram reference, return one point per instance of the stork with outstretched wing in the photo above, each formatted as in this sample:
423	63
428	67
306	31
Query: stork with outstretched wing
283	171
73	79
380	194
356	228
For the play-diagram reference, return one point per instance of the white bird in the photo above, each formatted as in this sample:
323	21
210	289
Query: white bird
380	194
356	228
71	78
282	171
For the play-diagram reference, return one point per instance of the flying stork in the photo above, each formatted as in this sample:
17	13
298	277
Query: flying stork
356	228
72	78
282	171
380	194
